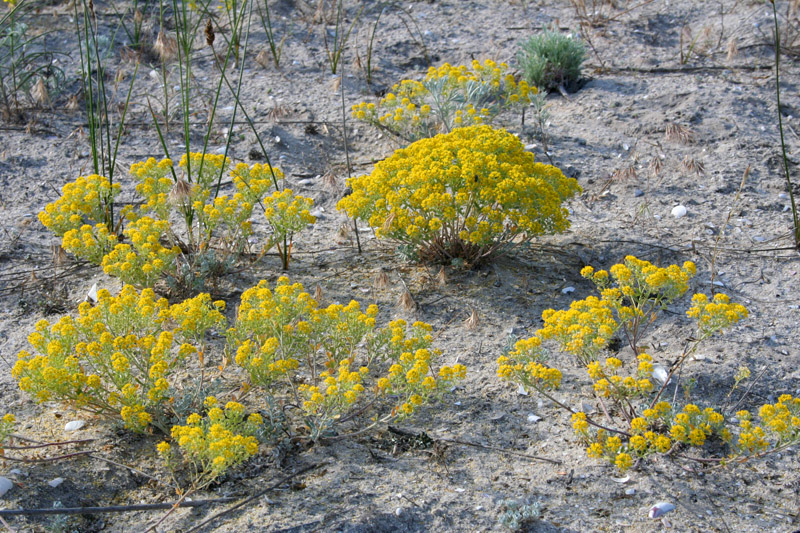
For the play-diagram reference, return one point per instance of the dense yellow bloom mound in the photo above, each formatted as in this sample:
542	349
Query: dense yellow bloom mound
469	194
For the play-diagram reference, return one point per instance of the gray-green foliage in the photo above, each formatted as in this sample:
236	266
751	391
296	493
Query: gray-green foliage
517	514
551	59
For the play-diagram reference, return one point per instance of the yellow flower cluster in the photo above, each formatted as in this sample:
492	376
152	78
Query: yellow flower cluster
87	200
609	384
254	182
523	365
584	329
204	169
467	194
449	97
693	426
155	185
334	395
714	315
144	261
287	213
7	423
213	444
641	280
89	242
117	358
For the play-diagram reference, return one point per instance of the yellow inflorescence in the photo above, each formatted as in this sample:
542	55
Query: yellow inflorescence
87	200
222	439
468	192
287	213
449	97
7	423
719	313
145	259
584	329
524	365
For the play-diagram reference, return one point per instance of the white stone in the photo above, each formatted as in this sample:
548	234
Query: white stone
678	211
75	425
5	485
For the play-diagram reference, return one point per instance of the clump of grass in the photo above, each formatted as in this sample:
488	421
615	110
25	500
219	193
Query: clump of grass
551	60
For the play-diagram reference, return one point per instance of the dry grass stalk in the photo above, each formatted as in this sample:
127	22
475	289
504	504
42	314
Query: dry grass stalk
166	47
472	321
691	164
732	49
441	277
72	103
406	302
264	59
624	174
387	224
655	166
39	93
344	235
329	182
381	280
678	133
318	294
181	192
278	111
59	255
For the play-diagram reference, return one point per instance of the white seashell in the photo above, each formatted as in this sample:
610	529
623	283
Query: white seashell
91	296
567	290
678	211
398	511
621	479
630	492
521	391
660	509
660	374
75	425
56	482
532	418
5	485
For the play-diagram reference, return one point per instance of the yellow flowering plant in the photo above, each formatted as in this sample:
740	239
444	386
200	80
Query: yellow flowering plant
449	97
468	195
184	231
119	358
212	444
7	423
328	360
632	295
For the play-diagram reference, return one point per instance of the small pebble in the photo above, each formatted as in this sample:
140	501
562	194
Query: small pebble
660	509
678	211
75	425
533	418
5	485
637	193
398	511
567	290
56	482
630	492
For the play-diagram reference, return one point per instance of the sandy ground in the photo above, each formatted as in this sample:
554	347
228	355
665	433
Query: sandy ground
606	135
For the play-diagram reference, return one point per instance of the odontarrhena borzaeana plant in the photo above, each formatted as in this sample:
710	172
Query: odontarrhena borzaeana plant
121	358
212	444
331	362
449	97
183	231
641	415
468	195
